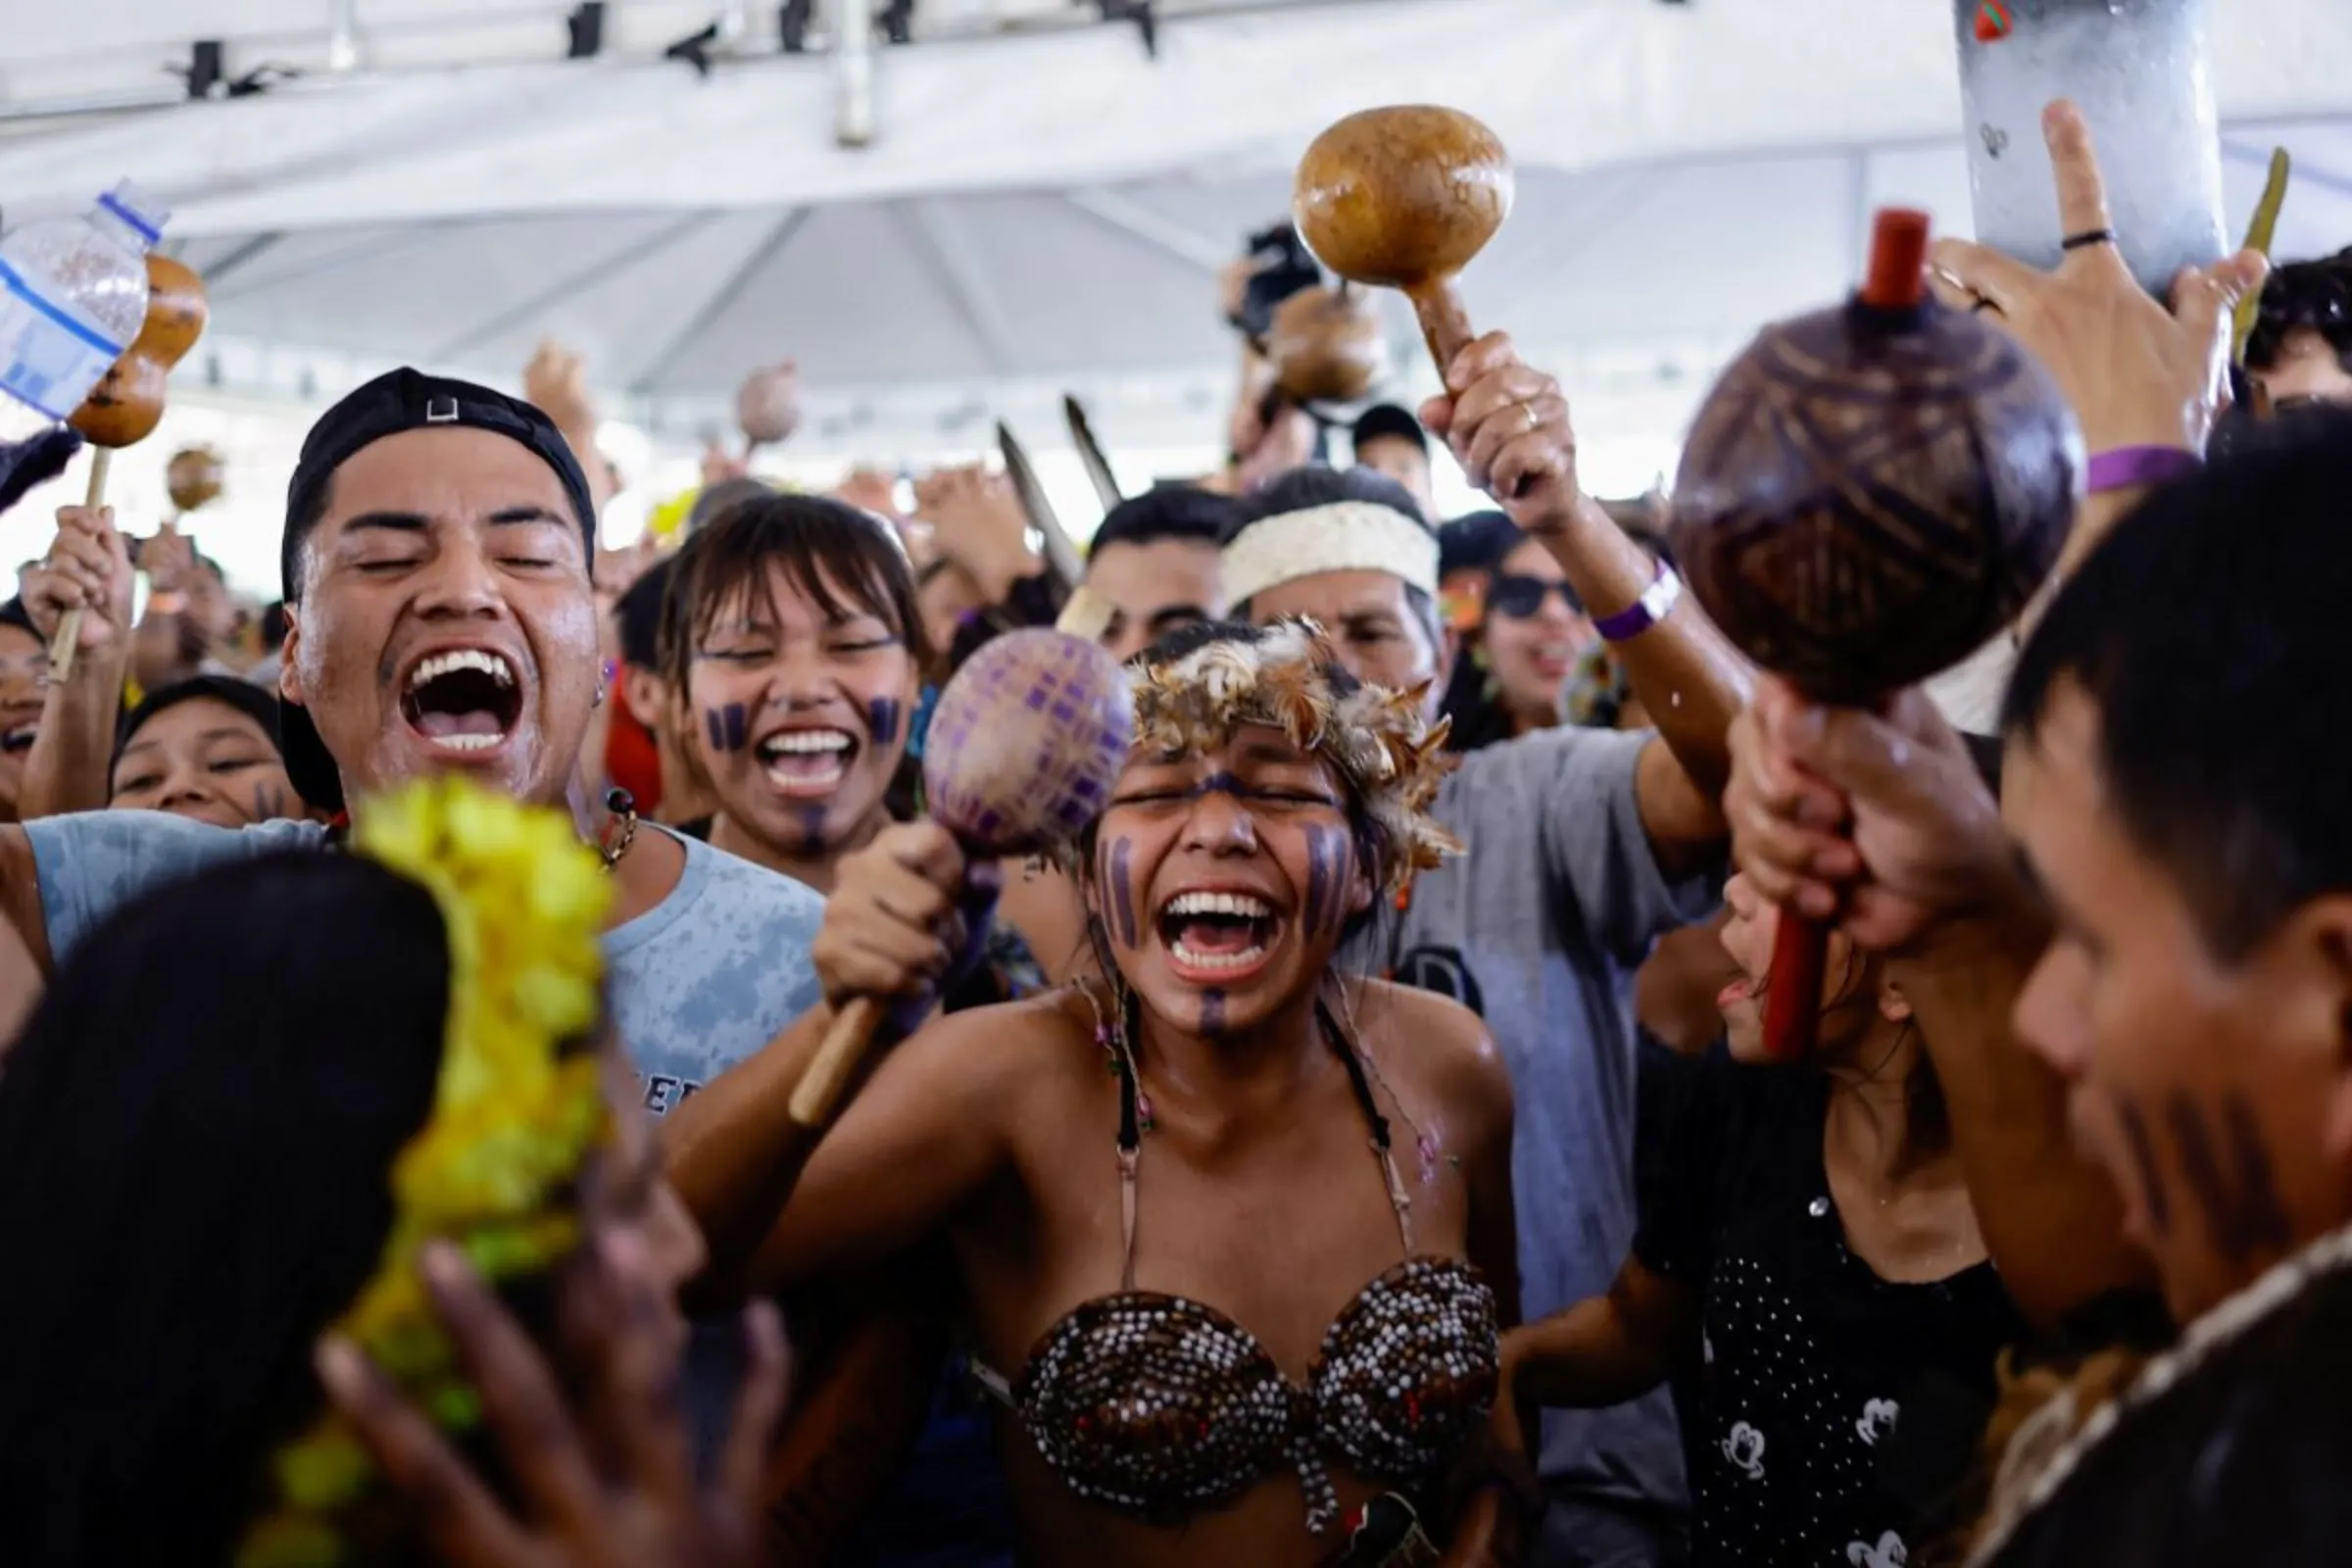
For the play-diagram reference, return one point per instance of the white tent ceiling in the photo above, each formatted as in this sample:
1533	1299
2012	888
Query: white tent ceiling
1044	207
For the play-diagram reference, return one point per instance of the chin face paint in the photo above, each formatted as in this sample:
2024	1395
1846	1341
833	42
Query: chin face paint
729	728
1330	866
1119	893
882	720
1212	1013
813	829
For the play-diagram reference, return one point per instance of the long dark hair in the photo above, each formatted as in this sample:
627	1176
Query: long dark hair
197	1129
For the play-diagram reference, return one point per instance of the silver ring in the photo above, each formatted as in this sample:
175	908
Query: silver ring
1535	421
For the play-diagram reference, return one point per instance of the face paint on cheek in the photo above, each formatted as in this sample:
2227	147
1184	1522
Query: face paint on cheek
1328	858
268	803
1212	1013
2239	1199
729	729
1119	891
882	719
2154	1197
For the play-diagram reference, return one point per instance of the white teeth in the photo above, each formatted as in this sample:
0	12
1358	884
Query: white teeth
806	742
1240	904
466	743
1216	961
491	664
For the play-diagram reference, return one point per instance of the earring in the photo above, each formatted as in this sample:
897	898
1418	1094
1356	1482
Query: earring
599	699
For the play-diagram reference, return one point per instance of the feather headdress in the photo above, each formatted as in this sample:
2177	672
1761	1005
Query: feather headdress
1391	756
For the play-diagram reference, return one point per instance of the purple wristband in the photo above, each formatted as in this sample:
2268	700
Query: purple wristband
2128	467
1645	611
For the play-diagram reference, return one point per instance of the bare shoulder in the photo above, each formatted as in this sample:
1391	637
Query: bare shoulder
1437	1042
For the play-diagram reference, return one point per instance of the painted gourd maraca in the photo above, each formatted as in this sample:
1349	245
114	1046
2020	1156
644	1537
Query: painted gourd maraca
1869	494
1027	741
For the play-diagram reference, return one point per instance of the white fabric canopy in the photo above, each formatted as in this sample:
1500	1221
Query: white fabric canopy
1045	212
1569	85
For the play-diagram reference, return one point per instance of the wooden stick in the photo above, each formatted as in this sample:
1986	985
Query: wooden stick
837	1057
68	626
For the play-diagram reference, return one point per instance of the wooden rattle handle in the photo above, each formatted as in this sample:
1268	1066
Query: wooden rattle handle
837	1057
1800	956
1446	328
68	626
1444	324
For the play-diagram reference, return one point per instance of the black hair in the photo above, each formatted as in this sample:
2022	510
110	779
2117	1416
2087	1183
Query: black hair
1303	489
1476	542
274	625
2315	294
826	548
2206	632
638	615
716	501
1386	421
242	695
192	1188
1166	511
13	613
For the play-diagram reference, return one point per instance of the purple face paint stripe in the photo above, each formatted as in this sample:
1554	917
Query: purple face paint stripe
1212	1011
1122	890
812	828
710	723
739	726
1326	875
882	717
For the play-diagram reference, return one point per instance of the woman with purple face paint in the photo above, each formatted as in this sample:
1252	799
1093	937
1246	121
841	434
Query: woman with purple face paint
800	658
1235	1232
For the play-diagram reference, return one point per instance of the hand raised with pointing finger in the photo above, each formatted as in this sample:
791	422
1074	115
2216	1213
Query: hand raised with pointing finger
2138	372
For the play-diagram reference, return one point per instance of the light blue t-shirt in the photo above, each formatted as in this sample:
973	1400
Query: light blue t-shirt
699	982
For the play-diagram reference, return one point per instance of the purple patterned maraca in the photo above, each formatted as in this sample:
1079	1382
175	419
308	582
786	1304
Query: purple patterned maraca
1023	750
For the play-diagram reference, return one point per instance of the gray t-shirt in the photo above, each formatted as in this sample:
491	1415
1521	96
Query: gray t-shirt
699	982
1538	929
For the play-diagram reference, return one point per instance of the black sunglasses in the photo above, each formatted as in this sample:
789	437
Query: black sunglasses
1522	598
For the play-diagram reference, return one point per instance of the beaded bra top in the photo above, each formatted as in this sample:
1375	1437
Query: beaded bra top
1162	1406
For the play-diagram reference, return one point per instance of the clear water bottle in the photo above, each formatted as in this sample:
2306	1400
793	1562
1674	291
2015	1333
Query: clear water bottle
73	297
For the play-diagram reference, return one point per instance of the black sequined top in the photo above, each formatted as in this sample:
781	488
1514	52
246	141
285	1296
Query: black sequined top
1162	1406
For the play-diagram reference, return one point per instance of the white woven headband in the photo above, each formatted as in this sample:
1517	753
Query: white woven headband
1344	536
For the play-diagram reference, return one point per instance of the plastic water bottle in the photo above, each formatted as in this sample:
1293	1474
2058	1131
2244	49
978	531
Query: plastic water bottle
73	297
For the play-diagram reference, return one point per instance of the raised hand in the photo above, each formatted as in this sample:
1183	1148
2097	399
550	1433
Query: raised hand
1507	425
611	1486
88	568
892	926
1879	821
2138	372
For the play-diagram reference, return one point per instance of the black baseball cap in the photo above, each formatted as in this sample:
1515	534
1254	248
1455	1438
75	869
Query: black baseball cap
399	401
1386	421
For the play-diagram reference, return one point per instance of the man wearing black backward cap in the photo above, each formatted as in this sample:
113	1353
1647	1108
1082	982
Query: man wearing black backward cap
440	619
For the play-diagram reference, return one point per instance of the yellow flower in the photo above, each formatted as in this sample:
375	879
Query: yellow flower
518	1106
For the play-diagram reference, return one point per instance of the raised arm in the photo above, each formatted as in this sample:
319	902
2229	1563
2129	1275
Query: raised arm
1509	426
88	568
1926	874
911	1144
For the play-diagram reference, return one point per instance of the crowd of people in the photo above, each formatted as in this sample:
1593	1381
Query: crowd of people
1357	1145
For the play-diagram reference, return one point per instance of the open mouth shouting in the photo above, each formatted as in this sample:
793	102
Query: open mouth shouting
806	763
1215	937
18	738
464	701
